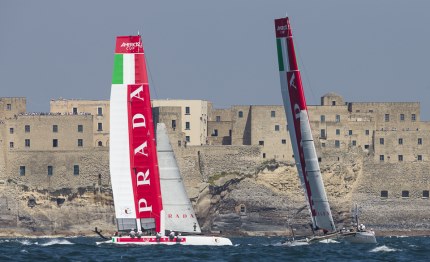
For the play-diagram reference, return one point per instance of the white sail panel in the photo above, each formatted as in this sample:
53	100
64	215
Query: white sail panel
119	159
179	211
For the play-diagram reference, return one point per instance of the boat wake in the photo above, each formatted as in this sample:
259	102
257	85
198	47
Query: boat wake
295	243
56	242
384	248
329	241
104	242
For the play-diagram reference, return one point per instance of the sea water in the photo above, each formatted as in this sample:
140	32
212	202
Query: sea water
244	249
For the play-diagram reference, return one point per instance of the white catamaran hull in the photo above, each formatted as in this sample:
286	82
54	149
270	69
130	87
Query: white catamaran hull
183	240
360	237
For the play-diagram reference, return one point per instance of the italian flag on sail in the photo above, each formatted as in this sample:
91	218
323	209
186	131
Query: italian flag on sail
128	62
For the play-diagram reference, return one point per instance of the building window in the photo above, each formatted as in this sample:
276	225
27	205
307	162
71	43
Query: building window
367	132
333	103
261	143
400	141
414	117
55	128
400	158
322	144
322	133
215	132
187	139
366	146
187	125
173	124
8	107
11	144
187	110
337	143
27	128
80	142
76	170
420	157
264	155
99	126
350	132
75	110
354	143
22	170
322	118
337	132
402	117
276	127
381	158
240	114
100	143
272	113
11	130
27	143
99	111
405	193
387	117
80	128
54	142
381	141
420	141
384	193
179	143
218	118
338	118
425	194
50	170
284	141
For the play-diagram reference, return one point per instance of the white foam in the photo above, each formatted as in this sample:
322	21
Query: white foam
104	242
384	248
295	243
25	242
57	242
329	241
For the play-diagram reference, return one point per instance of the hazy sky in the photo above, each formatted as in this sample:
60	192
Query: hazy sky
223	51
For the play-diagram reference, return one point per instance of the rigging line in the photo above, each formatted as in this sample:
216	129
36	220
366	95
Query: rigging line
306	75
150	77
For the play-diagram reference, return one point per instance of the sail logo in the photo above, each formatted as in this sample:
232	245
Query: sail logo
131	46
292	84
282	28
141	154
180	216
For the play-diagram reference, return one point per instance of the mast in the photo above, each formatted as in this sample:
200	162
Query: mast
299	128
132	155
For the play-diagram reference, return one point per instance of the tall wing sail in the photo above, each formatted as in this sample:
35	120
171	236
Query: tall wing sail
132	155
179	211
298	126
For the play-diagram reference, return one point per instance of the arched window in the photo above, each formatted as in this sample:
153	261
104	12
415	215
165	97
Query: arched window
100	143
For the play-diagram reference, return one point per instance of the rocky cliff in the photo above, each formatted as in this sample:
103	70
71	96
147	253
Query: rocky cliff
234	191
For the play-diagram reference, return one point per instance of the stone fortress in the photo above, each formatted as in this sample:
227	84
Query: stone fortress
237	165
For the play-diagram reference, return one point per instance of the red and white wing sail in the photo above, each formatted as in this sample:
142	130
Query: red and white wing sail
300	131
133	156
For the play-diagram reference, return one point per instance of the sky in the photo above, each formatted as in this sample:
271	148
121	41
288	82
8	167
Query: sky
223	51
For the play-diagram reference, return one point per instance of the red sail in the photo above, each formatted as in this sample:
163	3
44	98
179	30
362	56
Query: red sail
144	171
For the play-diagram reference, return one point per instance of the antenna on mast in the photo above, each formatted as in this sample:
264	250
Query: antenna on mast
138	33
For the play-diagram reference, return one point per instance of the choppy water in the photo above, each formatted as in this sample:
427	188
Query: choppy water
244	249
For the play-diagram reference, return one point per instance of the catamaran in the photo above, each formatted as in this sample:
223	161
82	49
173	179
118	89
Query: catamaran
305	156
151	204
